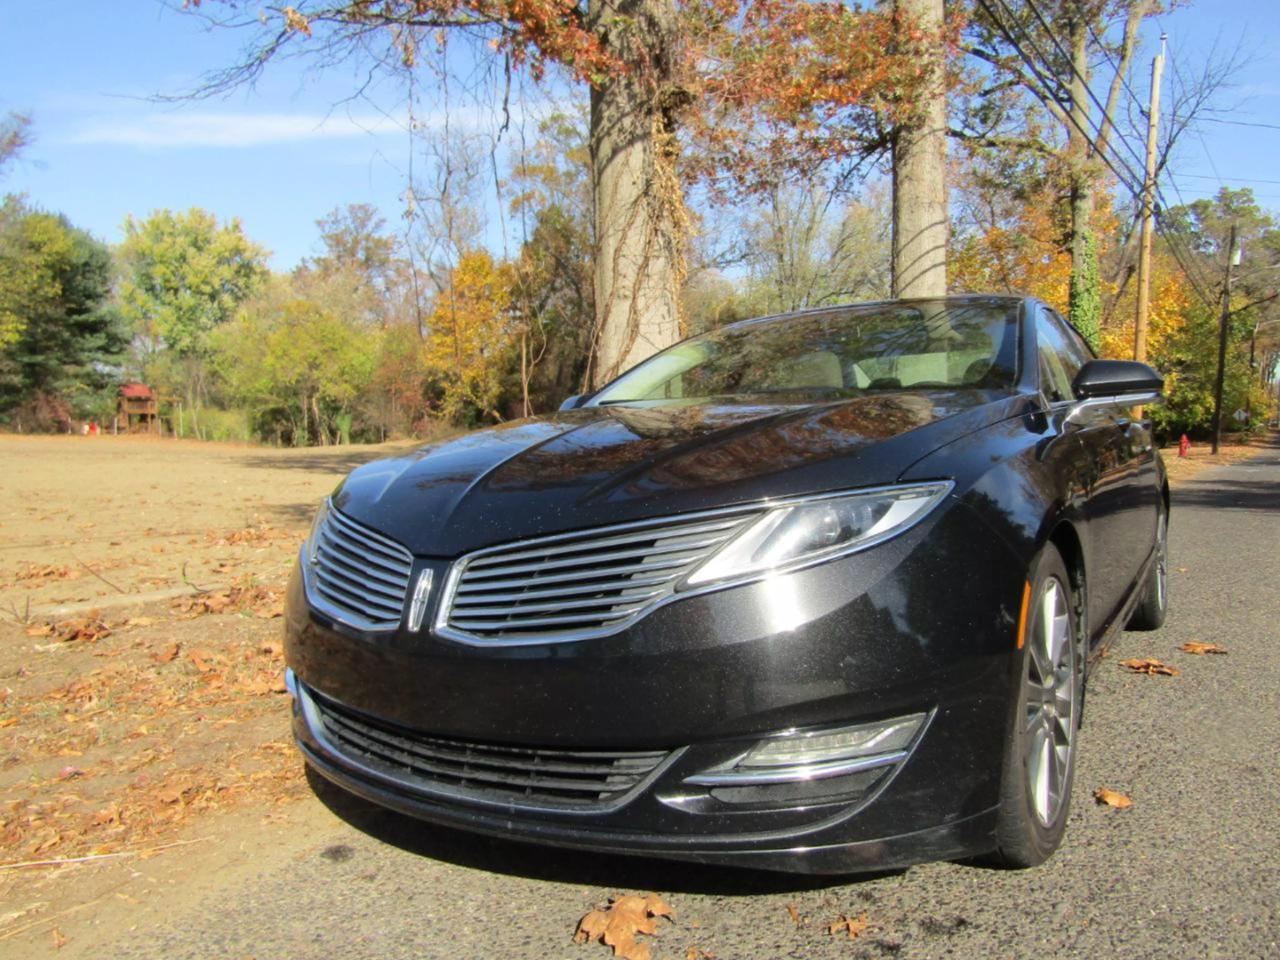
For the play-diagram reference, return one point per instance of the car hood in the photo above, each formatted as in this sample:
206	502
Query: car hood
610	464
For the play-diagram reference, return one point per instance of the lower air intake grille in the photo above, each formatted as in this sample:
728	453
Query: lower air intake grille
570	779
579	585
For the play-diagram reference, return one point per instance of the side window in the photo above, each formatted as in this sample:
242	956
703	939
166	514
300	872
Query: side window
1075	344
1058	364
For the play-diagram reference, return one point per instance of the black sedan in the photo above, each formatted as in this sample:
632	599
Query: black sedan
817	592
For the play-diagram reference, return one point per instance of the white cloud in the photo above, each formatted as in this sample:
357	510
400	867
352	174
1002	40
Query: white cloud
230	130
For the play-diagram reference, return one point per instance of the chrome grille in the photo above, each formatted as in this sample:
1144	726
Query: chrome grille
578	585
357	574
486	772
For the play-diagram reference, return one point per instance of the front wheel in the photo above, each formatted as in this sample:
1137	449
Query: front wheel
1040	743
1154	605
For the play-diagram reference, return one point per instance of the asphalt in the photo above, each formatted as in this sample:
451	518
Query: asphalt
1191	870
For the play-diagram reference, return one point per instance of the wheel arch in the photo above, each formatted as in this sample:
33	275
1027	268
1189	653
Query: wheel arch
1066	539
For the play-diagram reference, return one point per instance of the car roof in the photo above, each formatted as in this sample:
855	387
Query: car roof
956	298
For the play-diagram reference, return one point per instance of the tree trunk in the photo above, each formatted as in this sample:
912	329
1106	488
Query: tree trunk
920	224
639	209
1085	295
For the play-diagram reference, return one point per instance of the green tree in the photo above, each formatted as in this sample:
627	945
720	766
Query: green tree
299	368
184	276
361	262
58	336
1207	224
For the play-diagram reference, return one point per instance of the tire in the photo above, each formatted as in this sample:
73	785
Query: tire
1151	610
1040	740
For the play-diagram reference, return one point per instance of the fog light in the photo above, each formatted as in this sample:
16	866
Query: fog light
818	754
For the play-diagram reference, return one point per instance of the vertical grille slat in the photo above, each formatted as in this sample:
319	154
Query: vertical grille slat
578	585
360	575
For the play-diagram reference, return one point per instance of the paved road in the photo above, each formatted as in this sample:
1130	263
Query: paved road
1192	870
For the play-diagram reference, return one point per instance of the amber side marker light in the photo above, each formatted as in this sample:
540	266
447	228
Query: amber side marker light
1022	615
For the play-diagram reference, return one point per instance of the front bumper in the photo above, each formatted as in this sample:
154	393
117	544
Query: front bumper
901	629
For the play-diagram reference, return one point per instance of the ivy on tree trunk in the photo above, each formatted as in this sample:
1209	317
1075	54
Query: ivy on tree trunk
1086	292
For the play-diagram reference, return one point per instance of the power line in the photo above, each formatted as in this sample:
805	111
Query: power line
1183	239
1239	123
1203	176
1115	65
1128	178
1182	255
1084	82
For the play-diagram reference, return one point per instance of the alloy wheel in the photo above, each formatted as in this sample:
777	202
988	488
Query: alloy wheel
1052	698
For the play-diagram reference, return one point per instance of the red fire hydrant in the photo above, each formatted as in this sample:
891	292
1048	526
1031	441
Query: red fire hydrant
1184	445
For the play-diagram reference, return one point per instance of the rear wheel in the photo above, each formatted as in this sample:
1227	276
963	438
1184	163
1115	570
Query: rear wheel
1039	759
1151	610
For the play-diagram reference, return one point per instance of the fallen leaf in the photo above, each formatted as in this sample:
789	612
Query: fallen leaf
86	629
46	572
795	914
1151	667
697	953
59	941
173	794
43	630
1112	798
618	924
855	926
165	655
200	659
140	621
1199	649
70	773
107	815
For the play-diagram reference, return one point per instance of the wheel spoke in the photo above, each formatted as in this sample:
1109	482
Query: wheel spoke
1038	764
1041	664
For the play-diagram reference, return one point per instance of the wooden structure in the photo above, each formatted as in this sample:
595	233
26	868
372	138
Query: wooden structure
137	409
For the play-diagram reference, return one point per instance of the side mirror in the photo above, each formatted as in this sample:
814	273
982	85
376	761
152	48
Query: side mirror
1117	379
572	403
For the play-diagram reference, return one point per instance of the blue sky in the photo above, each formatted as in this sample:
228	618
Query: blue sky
282	155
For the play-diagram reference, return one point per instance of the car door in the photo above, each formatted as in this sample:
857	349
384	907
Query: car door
1121	490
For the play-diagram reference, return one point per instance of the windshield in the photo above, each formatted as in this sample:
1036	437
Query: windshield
845	351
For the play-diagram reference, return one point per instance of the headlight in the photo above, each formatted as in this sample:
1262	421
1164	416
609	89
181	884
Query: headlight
810	531
313	539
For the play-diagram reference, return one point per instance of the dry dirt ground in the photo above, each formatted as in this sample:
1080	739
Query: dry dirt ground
144	745
141	697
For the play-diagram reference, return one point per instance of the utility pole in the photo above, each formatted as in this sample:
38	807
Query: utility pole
1222	342
920	224
1148	210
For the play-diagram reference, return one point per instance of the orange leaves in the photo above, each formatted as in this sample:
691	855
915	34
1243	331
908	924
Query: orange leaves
618	925
789	87
87	629
165	655
1151	667
45	572
296	22
1104	796
471	329
261	601
1200	649
255	535
854	926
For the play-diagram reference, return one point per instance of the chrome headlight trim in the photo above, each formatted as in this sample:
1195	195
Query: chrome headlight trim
938	491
